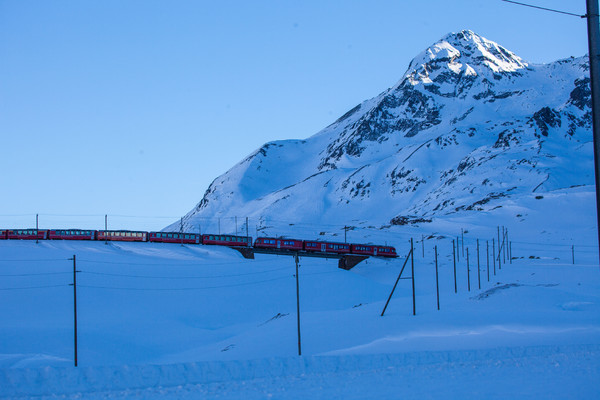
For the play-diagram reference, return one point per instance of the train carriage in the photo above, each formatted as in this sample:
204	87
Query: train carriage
364	249
227	240
326	247
385	251
278	243
174	237
3	234
123	236
71	234
373	250
27	234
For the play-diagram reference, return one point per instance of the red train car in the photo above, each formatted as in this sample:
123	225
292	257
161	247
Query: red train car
326	247
174	237
71	234
3	234
372	250
278	243
123	236
27	234
227	240
386	251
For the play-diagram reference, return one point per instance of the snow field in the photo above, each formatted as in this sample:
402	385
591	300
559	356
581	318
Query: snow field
201	321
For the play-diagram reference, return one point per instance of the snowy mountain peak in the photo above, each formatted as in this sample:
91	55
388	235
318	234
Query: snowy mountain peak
463	53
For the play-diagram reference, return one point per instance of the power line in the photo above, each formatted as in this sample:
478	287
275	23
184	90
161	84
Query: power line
35	287
183	264
184	289
38	274
545	9
36	260
181	277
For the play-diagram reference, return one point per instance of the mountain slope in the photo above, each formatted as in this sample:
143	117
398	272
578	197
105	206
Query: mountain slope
469	127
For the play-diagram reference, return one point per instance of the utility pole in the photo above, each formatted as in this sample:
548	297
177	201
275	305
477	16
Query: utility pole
298	306
346	229
593	43
437	283
454	260
181	229
36	227
593	29
74	305
105	228
412	275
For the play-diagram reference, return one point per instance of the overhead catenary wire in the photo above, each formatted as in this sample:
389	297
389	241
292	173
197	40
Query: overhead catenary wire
544	8
34	260
180	264
185	289
34	274
180	277
35	287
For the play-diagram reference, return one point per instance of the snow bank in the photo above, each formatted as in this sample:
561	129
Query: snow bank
52	381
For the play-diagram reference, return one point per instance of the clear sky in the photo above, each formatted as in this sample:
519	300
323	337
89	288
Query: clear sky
132	107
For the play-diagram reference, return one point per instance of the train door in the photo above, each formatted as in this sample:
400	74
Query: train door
323	247
374	250
278	244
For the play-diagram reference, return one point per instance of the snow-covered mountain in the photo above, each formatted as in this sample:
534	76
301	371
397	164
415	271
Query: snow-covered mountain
469	127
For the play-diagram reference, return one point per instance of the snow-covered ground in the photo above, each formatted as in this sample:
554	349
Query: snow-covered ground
158	321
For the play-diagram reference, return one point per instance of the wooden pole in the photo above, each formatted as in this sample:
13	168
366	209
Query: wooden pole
74	307
494	255
454	260
395	284
437	285
468	272
478	269
412	265
298	306
487	259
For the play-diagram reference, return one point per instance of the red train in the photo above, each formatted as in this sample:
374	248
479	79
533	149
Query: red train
284	244
324	247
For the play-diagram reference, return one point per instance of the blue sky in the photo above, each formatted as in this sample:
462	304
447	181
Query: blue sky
132	107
